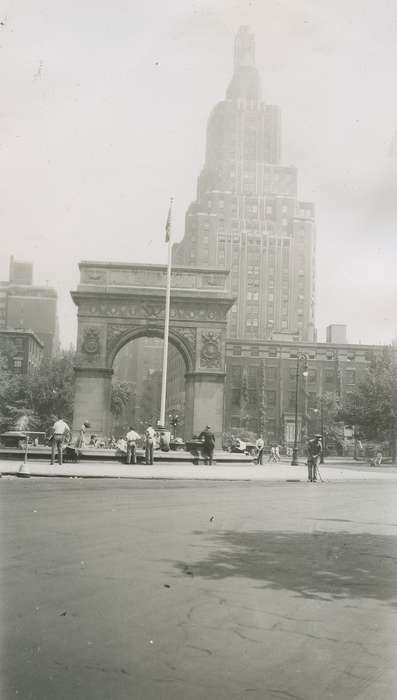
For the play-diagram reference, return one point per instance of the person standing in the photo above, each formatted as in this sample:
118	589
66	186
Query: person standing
207	437
272	456
60	435
378	458
83	430
314	449
260	446
149	444
277	453
131	438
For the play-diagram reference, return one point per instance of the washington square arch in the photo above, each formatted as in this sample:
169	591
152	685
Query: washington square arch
118	303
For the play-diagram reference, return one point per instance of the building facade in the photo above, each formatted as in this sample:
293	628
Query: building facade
21	351
261	384
25	306
247	217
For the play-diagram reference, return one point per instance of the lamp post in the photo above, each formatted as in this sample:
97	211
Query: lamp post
322	430
301	357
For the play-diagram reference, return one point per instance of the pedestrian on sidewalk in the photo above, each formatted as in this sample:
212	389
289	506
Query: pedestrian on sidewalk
81	438
314	449
207	437
272	456
131	439
277	453
378	459
60	436
260	446
149	444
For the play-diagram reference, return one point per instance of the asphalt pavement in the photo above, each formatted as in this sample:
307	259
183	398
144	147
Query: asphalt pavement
182	590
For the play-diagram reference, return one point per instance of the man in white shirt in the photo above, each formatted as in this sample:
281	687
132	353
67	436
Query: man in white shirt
259	450
149	444
60	435
131	438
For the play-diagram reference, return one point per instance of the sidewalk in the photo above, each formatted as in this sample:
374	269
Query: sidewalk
332	471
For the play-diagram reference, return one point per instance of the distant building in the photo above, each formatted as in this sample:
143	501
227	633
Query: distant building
24	306
247	217
20	272
260	390
21	351
336	333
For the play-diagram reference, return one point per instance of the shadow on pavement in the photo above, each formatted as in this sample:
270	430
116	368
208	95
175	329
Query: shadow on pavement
314	565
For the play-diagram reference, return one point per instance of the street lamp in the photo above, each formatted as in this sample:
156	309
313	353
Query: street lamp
322	430
301	357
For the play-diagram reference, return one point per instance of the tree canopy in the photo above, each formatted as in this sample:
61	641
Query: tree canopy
32	402
372	407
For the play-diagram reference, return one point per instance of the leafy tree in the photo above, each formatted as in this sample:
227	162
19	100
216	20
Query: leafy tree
51	389
32	402
120	398
373	406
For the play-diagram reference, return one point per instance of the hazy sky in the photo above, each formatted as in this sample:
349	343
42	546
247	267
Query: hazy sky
103	118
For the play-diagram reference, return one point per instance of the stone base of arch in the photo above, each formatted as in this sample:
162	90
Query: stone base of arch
92	396
204	402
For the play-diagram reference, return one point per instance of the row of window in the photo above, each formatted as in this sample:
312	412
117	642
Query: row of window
271	374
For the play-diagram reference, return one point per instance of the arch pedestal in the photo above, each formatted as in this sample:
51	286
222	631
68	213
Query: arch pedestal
93	388
204	396
118	303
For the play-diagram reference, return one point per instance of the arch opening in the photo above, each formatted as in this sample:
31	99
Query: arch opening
136	383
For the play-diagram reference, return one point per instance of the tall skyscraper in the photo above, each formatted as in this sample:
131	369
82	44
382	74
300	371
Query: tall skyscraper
247	217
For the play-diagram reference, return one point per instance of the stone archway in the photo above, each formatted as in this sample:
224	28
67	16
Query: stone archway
120	302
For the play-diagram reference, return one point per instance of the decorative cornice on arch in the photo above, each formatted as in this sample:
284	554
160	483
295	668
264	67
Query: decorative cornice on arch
117	340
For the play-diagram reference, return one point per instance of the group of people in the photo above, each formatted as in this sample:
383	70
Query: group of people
132	438
274	455
314	451
61	436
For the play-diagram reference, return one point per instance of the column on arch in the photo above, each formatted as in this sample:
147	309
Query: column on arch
92	398
204	403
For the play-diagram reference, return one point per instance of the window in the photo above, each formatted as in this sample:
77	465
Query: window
312	399
270	374
291	400
236	396
292	374
236	373
270	398
329	376
350	376
312	376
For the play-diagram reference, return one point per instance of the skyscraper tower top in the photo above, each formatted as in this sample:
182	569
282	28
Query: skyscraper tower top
245	83
247	217
244	48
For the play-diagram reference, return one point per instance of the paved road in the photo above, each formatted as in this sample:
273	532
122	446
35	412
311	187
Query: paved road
128	589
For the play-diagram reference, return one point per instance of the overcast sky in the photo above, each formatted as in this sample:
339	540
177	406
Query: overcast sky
103	118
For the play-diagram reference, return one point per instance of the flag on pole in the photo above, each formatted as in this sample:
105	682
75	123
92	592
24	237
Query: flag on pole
168	225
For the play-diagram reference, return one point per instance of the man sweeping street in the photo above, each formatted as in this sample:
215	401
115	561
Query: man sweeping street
314	449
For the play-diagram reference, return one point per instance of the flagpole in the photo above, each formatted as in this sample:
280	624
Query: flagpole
167	322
